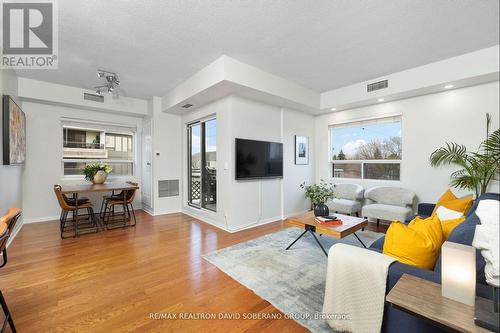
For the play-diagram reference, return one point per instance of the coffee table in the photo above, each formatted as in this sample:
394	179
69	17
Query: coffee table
350	225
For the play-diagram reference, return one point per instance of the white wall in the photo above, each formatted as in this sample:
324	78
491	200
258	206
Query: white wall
297	123
242	204
427	123
10	175
43	166
166	156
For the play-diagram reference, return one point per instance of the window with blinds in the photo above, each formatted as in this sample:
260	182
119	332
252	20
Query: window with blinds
88	142
369	149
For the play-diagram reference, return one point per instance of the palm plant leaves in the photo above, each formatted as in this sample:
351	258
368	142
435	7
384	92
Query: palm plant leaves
453	153
477	168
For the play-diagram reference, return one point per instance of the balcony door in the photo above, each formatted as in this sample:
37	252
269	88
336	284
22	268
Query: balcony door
202	159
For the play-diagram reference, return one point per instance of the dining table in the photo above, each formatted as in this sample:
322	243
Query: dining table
75	190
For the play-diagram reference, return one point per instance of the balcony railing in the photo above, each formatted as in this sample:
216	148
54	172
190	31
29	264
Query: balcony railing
83	145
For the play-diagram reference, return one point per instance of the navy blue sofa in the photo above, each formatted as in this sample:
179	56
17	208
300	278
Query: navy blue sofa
398	321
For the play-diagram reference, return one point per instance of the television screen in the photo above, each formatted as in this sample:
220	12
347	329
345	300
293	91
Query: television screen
258	159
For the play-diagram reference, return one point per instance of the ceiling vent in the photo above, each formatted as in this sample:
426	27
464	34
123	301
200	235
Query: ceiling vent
377	85
187	106
93	97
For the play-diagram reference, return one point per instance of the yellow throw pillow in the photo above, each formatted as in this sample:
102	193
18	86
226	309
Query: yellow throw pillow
449	225
417	244
450	201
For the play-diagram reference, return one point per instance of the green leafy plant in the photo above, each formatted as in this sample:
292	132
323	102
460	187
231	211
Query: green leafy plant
91	169
319	193
477	169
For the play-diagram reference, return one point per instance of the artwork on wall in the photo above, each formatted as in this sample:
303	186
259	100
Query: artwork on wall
14	132
301	150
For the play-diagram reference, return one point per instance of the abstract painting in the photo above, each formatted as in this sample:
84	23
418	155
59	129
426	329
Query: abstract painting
14	133
301	150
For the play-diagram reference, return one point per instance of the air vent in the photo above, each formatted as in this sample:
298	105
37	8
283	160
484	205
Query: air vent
187	106
93	97
168	188
377	85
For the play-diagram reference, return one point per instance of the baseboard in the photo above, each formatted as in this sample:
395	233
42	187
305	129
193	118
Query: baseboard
41	219
224	227
203	219
162	212
256	224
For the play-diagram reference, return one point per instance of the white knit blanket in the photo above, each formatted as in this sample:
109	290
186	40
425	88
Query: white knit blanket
486	239
355	289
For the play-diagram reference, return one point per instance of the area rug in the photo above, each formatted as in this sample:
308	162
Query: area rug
291	280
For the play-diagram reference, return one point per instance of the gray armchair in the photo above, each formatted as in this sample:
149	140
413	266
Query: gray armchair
347	200
388	203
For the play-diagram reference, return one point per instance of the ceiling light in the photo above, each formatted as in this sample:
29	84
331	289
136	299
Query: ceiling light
333	109
110	84
380	100
448	86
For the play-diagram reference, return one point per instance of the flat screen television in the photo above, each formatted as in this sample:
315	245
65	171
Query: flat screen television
258	159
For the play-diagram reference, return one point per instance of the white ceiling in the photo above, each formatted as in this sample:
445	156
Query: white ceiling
320	44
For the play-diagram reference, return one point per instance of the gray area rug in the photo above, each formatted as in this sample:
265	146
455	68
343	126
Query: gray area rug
293	281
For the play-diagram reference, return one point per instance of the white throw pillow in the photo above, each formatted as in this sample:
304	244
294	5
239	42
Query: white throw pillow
444	214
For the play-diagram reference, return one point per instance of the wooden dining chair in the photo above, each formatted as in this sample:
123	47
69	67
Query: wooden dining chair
7	225
74	206
124	200
10	219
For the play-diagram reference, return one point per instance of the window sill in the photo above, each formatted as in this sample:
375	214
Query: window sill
365	180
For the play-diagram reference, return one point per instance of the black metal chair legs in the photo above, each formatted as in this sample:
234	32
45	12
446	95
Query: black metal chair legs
77	223
8	317
114	220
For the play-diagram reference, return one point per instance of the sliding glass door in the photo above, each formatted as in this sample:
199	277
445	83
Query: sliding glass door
202	158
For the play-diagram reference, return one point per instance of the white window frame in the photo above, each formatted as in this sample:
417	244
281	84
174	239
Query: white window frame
331	162
88	127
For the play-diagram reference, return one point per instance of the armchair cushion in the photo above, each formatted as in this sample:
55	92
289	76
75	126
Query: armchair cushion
386	212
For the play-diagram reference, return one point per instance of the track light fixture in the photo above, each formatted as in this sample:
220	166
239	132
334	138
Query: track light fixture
110	84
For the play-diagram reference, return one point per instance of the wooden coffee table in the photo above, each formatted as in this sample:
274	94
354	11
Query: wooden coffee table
350	225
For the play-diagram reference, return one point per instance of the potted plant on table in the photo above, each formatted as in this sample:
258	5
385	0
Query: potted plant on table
97	172
319	194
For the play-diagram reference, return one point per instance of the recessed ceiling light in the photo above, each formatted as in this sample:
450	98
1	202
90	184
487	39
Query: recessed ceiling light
380	100
448	86
333	109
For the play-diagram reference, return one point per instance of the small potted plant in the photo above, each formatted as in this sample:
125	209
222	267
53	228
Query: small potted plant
97	172
319	195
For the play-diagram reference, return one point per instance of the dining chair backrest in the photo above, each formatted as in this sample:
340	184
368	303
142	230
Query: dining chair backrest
11	217
129	197
7	225
61	197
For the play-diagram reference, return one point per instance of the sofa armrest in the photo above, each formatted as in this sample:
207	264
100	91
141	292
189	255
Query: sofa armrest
397	269
425	209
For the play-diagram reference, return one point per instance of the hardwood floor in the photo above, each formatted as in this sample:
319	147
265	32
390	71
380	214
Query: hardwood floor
113	281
